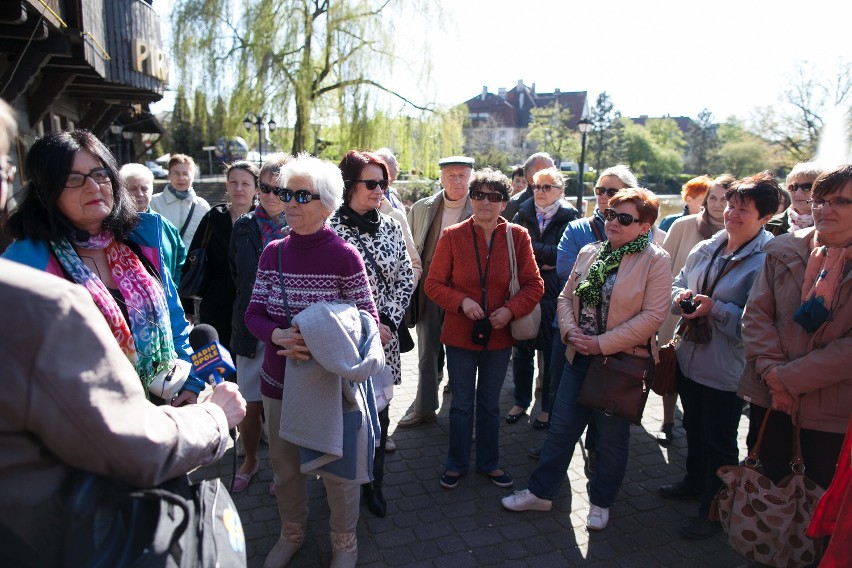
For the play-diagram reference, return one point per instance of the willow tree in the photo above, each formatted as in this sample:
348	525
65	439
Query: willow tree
287	56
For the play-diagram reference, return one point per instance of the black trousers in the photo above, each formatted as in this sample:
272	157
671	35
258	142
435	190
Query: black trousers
379	455
820	450
711	418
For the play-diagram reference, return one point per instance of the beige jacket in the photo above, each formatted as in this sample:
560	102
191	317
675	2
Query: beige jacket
72	401
399	216
817	368
640	300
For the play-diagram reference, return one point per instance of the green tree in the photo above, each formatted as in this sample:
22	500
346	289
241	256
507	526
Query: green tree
550	128
198	136
741	152
604	134
180	128
702	141
287	53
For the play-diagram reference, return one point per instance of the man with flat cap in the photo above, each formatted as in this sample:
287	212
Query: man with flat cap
427	219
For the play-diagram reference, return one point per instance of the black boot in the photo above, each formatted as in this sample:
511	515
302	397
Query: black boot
375	500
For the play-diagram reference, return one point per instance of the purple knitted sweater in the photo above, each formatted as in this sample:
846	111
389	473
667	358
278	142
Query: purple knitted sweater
316	267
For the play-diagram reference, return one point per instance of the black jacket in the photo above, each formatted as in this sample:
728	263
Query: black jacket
243	256
545	247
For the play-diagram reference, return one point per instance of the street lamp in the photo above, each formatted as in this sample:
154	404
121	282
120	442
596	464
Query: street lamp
584	126
256	120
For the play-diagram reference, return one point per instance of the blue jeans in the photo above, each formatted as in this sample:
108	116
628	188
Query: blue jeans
462	367
567	421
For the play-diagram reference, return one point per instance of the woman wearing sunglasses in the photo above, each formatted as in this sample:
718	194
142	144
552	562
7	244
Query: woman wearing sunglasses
213	235
469	279
798	214
545	217
709	294
380	241
614	301
78	222
312	264
252	232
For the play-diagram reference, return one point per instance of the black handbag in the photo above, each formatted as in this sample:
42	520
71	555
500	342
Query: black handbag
192	278
178	523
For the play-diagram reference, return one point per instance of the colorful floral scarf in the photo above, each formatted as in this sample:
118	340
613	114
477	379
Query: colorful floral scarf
270	229
147	341
608	260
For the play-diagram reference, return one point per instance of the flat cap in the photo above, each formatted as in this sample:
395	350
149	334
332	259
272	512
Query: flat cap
456	161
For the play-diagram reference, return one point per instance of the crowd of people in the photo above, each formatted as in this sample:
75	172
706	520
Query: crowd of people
314	273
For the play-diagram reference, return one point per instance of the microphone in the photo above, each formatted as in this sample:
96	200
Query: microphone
209	357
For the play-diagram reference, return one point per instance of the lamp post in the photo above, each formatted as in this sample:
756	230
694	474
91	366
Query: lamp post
256	120
115	130
584	126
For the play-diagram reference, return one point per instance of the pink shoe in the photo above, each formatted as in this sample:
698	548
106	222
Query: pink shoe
242	480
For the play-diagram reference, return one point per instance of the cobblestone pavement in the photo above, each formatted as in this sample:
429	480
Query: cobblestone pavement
427	525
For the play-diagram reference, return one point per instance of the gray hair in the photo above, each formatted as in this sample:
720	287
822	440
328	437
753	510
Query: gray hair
804	170
623	173
387	155
325	177
528	165
136	171
273	164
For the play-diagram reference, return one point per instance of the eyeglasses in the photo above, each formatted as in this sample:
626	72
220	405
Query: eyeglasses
483	195
625	219
374	183
302	195
610	191
836	203
267	189
545	187
100	176
806	187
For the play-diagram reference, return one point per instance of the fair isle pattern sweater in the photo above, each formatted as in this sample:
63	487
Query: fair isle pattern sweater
317	267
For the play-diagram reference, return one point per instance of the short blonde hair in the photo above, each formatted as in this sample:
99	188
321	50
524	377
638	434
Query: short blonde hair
552	174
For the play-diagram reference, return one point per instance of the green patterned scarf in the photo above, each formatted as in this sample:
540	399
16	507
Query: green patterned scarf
608	260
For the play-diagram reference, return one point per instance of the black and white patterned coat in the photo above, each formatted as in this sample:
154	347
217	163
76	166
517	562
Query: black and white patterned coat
392	291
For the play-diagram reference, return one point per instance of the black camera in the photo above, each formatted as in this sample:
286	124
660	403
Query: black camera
481	332
688	305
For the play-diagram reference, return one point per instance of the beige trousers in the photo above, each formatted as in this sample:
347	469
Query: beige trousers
290	483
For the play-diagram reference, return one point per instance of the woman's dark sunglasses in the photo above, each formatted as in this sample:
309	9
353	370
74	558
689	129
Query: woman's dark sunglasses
625	219
490	196
267	189
610	191
302	195
374	183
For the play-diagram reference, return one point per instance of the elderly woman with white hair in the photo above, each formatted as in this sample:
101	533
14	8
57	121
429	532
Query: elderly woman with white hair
139	182
311	264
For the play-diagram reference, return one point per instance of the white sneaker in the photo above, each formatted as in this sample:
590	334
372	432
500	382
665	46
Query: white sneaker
598	518
526	501
390	445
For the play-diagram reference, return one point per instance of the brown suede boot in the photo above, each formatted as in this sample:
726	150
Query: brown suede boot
344	550
291	540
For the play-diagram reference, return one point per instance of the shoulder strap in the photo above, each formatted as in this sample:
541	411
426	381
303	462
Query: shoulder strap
283	290
593	223
371	259
188	218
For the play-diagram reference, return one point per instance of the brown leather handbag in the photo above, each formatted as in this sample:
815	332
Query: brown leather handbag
665	374
618	385
766	522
